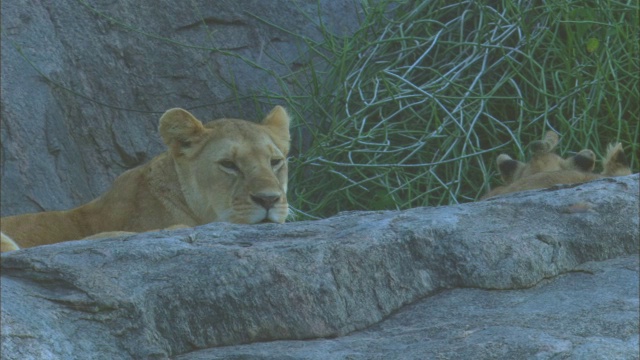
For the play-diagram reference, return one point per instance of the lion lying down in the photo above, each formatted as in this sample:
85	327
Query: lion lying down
227	170
546	169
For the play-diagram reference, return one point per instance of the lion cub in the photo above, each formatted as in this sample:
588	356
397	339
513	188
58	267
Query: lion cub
543	159
226	170
547	169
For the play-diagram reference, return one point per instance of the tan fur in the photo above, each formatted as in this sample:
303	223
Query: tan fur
227	170
112	234
614	164
543	159
7	244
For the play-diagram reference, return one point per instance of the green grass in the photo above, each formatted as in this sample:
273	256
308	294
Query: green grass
413	109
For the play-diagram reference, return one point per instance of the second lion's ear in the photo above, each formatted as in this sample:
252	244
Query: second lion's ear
585	161
509	169
180	130
615	163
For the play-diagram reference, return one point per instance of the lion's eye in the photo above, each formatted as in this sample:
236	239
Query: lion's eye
228	164
276	162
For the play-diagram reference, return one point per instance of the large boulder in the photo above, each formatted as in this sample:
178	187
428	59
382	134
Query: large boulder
84	83
471	279
588	313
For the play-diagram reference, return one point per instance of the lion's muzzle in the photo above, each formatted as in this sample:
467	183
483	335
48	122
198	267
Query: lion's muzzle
266	200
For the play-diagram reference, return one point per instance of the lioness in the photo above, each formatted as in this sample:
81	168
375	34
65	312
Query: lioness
543	159
227	170
614	164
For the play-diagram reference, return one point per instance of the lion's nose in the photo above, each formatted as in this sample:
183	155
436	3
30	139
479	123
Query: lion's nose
265	200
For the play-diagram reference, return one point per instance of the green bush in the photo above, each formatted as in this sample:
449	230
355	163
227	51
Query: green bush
413	109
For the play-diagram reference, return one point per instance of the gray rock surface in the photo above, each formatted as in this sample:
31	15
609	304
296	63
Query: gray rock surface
84	83
589	313
423	282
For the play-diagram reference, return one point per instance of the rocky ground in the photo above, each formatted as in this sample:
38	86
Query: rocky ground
547	274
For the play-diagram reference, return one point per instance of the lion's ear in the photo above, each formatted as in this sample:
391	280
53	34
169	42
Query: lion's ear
179	130
278	121
615	163
508	168
546	145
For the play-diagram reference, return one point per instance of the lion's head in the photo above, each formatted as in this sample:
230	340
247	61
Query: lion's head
543	159
231	170
547	169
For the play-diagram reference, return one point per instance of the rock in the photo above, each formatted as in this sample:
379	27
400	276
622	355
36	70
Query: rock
405	282
84	83
589	313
